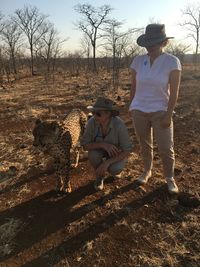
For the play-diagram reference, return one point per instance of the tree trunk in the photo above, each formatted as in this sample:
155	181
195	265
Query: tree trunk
94	58
13	62
32	71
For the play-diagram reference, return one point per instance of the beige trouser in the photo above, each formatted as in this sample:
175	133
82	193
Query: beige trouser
97	156
147	124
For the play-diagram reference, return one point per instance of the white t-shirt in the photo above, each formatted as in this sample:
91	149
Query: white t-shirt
152	82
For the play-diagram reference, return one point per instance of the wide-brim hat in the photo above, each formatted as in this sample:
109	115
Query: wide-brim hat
104	104
154	34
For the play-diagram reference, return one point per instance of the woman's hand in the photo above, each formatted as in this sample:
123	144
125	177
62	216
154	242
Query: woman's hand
112	150
102	168
166	121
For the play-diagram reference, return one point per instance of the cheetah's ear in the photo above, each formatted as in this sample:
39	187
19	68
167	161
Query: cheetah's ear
38	121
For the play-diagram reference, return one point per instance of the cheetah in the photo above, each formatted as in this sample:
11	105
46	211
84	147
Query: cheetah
61	140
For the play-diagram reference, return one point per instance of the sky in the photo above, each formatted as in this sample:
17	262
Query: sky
133	13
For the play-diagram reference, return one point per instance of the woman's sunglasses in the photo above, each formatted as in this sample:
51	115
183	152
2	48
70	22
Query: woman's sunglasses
97	113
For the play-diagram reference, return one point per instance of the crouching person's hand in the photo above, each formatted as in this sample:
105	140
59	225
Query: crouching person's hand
112	150
101	170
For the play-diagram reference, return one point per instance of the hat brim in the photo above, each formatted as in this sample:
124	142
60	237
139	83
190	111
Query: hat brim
114	112
143	41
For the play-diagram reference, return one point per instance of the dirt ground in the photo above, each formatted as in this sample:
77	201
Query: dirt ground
125	225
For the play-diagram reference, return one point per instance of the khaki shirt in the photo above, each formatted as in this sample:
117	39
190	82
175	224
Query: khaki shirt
117	134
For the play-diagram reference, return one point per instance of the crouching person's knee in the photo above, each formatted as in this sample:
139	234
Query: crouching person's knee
95	157
117	167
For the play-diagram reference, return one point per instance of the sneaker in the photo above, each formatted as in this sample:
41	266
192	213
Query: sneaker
98	184
172	187
143	179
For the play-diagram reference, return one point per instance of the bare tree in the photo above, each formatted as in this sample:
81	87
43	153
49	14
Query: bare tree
116	42
11	35
1	60
93	19
131	50
57	51
192	23
1	22
177	49
30	20
86	47
48	45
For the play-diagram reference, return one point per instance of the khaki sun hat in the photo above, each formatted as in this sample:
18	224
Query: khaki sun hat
154	34
104	104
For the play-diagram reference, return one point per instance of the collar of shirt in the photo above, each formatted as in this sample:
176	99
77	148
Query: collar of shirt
98	129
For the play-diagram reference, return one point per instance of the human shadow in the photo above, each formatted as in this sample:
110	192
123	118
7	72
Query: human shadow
76	242
42	216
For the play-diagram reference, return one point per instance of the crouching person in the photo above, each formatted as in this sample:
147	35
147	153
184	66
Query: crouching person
107	140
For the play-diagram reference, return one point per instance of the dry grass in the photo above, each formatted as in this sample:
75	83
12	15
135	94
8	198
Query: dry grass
123	226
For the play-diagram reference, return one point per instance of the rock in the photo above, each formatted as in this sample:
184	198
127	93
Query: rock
194	151
177	171
22	146
12	170
188	200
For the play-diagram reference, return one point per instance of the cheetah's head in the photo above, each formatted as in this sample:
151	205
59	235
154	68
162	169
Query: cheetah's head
45	133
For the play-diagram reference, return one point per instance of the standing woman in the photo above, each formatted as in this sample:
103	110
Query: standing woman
154	92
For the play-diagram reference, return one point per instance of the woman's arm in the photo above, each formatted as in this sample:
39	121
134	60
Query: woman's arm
111	149
174	83
133	84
